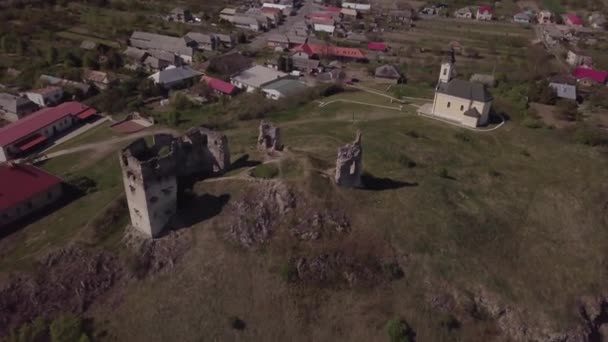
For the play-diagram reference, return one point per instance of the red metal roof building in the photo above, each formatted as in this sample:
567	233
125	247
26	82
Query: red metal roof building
584	74
376	46
25	189
573	20
219	85
330	51
38	127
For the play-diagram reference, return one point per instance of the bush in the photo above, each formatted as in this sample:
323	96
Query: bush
67	328
590	136
83	184
265	171
37	331
399	331
443	173
532	123
289	272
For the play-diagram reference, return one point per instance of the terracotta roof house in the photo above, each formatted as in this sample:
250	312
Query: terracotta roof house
572	19
388	72
219	86
320	51
588	76
22	136
25	189
484	12
14	107
229	64
99	79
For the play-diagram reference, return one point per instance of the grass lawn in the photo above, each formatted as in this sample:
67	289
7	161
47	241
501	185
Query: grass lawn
97	134
81	37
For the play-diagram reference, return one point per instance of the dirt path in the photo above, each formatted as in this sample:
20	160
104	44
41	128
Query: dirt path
102	146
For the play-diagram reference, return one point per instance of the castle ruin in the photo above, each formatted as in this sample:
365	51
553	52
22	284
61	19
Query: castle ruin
269	138
151	173
349	164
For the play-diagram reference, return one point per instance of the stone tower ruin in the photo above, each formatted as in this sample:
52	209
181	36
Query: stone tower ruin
150	180
151	173
349	164
269	138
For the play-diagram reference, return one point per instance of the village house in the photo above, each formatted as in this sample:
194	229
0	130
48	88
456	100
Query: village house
157	43
272	18
318	51
349	14
278	41
523	18
284	8
544	17
101	80
203	41
331	76
274	14
14	107
256	77
283	88
229	65
463	102
219	87
24	190
302	62
464	13
66	84
175	77
575	59
564	86
324	25
47	96
388	73
589	77
485	12
225	40
572	19
404	17
180	14
597	20
361	7
20	137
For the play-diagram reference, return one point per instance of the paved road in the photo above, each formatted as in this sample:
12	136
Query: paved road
260	41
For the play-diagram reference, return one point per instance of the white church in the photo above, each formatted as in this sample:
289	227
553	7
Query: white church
459	101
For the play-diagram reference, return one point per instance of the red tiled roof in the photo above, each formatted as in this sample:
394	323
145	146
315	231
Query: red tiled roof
32	141
86	114
39	120
333	9
485	9
588	73
18	183
127	127
335	51
574	19
219	85
375	46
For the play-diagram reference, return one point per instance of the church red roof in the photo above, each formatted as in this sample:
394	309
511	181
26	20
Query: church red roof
18	183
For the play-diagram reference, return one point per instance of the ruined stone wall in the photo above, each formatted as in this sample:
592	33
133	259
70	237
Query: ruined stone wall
269	137
150	173
349	164
149	177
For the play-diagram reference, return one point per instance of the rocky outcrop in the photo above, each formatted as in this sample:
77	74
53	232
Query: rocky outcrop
349	164
269	137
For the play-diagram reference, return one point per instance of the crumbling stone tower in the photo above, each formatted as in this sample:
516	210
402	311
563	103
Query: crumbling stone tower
150	178
203	151
349	164
269	138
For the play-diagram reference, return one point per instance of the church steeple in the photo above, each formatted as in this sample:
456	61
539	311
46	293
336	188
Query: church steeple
447	68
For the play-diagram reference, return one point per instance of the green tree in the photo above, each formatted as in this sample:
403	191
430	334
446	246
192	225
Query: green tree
173	118
90	60
399	331
67	328
52	55
147	88
36	331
